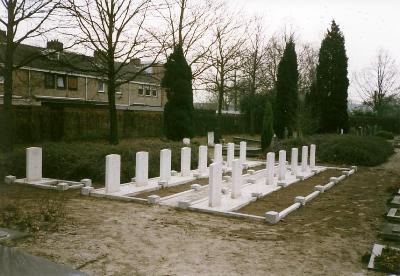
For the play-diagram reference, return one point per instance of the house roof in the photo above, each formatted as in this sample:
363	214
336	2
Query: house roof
71	63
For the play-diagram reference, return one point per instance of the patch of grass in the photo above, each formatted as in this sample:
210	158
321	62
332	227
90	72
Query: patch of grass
385	134
47	213
78	160
345	149
388	261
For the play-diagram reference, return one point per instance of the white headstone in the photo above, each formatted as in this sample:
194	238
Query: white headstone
34	164
270	168
218	153
210	138
341	131
243	149
236	178
304	158
165	165
113	173
294	161
202	159
230	155
142	168
215	185
282	165
185	161
312	156
186	141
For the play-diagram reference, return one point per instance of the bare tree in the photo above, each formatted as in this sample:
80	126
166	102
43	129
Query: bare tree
273	54
252	63
228	36
116	31
307	60
379	82
188	23
22	20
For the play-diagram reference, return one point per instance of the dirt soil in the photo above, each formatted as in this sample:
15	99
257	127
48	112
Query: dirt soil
283	198
326	237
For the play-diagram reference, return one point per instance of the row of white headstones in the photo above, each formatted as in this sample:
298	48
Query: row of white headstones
215	178
113	165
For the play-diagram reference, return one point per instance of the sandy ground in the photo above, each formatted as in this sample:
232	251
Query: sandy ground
326	237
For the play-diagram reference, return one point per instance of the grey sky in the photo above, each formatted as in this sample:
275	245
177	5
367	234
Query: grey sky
368	25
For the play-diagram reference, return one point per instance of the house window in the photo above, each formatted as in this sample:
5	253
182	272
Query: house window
141	90
154	92
148	91
102	87
49	81
61	81
72	83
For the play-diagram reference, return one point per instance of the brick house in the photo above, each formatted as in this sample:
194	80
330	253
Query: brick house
62	77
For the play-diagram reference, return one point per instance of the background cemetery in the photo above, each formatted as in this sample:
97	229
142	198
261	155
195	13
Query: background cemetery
281	159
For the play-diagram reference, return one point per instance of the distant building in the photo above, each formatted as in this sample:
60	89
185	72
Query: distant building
50	79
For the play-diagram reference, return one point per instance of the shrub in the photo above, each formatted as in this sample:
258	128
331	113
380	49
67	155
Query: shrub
78	160
345	149
388	261
385	134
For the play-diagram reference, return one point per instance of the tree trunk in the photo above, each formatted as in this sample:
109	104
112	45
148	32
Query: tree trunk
8	118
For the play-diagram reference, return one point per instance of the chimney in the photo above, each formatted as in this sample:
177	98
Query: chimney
55	45
136	61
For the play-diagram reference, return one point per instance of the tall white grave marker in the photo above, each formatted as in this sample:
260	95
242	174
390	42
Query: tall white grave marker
304	158
243	149
34	164
202	159
185	161
236	179
142	168
294	161
270	168
165	165
230	155
282	165
218	153
113	173
210	138
312	156
214	188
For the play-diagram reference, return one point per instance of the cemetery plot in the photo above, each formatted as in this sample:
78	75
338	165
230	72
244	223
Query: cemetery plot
393	215
285	197
391	232
34	174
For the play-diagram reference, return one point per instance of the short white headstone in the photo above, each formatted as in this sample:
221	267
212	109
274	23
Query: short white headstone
218	153
282	165
34	164
186	141
210	138
230	155
236	179
243	149
215	185
165	165
202	159
312	156
294	161
142	168
270	168
113	173
304	158
185	161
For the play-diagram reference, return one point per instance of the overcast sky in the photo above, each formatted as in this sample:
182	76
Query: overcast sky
368	25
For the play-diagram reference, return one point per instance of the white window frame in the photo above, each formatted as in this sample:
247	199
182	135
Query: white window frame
103	90
154	89
141	86
148	88
64	80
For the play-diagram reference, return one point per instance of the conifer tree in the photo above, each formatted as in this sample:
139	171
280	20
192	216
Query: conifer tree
332	82
287	91
178	111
